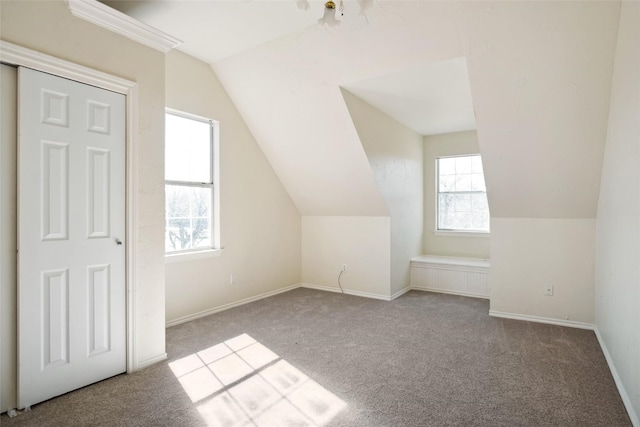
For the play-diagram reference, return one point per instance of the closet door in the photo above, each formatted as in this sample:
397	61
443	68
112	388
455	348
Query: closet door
71	229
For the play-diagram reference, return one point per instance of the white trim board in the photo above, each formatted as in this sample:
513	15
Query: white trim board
388	298
115	21
401	292
224	307
446	291
346	291
626	400
538	319
481	264
20	56
17	55
153	361
384	297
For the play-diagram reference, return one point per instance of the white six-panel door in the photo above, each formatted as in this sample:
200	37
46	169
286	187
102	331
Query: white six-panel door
71	234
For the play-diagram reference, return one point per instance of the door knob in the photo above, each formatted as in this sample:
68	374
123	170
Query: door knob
118	242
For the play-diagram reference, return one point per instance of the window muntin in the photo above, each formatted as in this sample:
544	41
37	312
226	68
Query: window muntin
462	195
189	183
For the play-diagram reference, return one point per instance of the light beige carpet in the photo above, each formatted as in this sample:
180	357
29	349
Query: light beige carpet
308	357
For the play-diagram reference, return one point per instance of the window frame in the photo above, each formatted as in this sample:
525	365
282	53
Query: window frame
214	248
456	232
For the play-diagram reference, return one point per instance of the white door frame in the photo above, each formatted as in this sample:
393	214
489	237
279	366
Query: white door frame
17	55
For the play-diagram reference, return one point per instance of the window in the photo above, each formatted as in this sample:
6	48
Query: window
462	195
190	202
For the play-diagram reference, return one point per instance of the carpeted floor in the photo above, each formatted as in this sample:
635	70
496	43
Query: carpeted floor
309	357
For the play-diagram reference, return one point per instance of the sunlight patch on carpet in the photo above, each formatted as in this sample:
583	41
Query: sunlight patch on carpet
241	382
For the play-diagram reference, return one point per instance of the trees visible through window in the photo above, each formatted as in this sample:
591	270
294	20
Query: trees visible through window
462	194
189	182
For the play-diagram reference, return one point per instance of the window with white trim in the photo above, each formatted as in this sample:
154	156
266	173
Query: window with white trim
462	195
190	164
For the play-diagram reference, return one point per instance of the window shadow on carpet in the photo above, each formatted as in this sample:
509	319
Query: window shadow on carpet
240	382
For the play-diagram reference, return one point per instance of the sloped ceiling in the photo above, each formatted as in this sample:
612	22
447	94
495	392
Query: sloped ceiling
539	75
431	98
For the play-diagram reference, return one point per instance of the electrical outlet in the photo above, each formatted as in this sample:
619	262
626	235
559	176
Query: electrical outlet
548	290
232	279
344	267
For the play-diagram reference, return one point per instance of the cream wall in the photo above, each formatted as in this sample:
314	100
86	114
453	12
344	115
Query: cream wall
617	291
540	76
448	144
395	153
362	243
528	253
260	226
50	28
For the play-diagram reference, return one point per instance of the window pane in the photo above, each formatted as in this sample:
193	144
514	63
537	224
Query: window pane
476	165
447	202
480	203
463	203
463	182
447	183
463	220
463	165
477	182
187	149
178	236
447	166
480	221
462	197
190	227
177	202
201	233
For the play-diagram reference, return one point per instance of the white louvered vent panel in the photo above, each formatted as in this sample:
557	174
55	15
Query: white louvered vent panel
461	276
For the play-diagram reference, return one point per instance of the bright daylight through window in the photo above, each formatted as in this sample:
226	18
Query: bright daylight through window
189	182
462	195
241	382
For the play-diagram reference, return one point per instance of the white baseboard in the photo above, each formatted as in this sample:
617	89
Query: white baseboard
368	295
321	287
400	292
152	361
635	420
220	308
392	297
346	291
450	292
538	319
223	307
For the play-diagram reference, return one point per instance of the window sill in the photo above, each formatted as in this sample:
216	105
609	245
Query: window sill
451	233
190	256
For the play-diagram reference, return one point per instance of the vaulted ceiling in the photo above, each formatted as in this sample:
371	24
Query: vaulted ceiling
533	77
